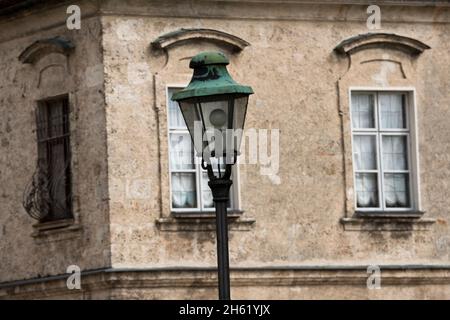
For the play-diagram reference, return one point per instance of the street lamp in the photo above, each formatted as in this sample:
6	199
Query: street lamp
214	108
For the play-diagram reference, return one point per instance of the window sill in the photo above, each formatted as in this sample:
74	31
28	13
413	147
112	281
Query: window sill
56	230
232	213
387	221
389	214
203	221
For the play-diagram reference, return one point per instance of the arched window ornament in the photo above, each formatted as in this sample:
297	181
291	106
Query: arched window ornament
381	40
181	36
41	48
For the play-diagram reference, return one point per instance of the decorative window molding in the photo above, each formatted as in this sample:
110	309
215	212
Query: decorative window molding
168	220
69	226
407	220
384	153
170	59
181	36
380	62
50	80
196	217
381	40
190	193
41	48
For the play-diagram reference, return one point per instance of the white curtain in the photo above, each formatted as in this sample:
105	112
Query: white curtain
183	183
394	158
365	159
176	119
394	148
395	184
182	164
365	152
181	152
181	158
207	197
396	190
394	153
392	111
363	111
367	190
183	190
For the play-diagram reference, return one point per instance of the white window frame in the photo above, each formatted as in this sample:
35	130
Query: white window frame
411	132
234	192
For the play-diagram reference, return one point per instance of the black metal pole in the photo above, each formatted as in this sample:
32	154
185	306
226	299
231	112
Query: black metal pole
220	189
222	250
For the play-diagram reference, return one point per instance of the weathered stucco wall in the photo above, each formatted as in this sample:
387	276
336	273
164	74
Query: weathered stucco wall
294	72
25	252
291	219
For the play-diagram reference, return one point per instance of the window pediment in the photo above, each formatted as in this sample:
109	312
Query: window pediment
181	36
41	48
381	40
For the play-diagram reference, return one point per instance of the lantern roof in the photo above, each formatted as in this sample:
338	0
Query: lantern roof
210	78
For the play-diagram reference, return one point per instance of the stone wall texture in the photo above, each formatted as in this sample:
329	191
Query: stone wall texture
298	236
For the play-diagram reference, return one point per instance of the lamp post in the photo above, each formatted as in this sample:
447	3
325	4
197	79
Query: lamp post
214	107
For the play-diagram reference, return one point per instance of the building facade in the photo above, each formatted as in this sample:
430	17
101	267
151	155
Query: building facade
341	190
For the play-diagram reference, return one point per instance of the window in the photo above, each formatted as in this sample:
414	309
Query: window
54	159
382	151
189	182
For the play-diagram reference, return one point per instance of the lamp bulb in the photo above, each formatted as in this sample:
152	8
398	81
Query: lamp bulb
218	118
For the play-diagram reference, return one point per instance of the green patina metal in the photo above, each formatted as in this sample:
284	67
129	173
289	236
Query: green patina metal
210	78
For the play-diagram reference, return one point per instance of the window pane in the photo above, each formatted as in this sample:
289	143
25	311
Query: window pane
396	191
207	197
181	152
394	153
392	111
54	157
367	190
184	194
363	111
58	179
176	119
365	152
57	118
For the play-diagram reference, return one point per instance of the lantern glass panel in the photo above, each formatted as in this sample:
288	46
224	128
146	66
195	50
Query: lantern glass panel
191	116
240	111
216	119
215	123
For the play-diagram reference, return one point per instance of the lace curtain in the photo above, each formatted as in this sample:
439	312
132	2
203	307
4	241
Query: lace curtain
183	167
389	138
